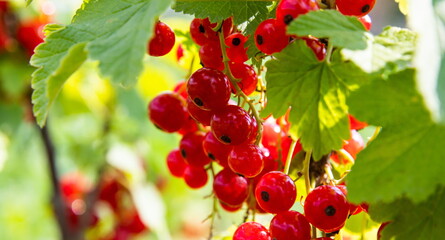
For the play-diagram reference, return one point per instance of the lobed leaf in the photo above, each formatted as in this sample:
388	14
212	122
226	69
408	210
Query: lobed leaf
113	32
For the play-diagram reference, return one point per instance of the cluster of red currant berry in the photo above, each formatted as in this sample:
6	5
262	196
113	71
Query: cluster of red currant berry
111	193
253	153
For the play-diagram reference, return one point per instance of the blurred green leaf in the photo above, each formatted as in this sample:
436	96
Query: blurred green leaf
406	159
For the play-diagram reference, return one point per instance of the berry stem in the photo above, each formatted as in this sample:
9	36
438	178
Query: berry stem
234	81
329	53
306	171
289	156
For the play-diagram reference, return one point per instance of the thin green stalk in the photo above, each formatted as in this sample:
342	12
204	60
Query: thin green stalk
289	156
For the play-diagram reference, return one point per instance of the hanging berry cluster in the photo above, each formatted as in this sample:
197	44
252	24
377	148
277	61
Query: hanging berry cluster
254	153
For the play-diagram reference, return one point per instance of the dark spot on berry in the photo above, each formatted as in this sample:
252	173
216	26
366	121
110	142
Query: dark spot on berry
259	39
225	139
265	196
236	41
330	210
183	153
201	29
198	102
240	175
365	8
288	18
211	156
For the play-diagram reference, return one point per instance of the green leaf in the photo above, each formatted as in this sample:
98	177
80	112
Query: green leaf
113	32
390	51
407	157
342	31
425	220
316	92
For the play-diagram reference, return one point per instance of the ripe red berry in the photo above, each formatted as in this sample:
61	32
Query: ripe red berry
163	40
356	124
30	34
167	112
235	47
317	47
201	30
202	116
195	177
251	231
230	208
379	232
209	89
353	146
247	160
366	21
216	150
270	36
192	151
247	75
211	55
181	89
189	126
288	10
275	192
175	163
357	8
290	225
353	209
230	188
326	208
232	125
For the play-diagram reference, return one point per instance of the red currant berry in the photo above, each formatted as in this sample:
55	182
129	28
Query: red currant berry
326	208
353	209
181	89
356	124
232	125
247	75
275	192
192	151
288	10
290	225
379	232
189	126
230	208
30	34
366	21
251	231
216	150
230	188
357	8
209	89
199	29
317	47
247	160
235	47
179	52
163	40
353	146
167	112
211	55
175	163
195	177
270	36
202	116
